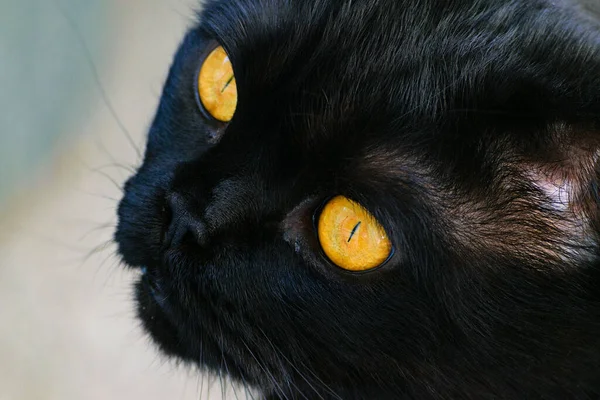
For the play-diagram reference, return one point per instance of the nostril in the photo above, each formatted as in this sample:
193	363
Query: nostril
182	226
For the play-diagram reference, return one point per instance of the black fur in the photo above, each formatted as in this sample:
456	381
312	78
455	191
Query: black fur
445	119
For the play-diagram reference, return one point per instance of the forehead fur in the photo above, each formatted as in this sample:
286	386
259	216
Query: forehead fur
412	94
393	58
541	208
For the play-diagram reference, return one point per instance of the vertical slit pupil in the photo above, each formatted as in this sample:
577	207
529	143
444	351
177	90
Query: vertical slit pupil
227	84
354	231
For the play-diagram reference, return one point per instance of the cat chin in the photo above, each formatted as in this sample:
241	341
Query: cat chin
191	344
155	319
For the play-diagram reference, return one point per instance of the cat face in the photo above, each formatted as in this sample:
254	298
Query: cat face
454	145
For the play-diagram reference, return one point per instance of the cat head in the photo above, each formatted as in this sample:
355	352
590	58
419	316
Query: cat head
456	143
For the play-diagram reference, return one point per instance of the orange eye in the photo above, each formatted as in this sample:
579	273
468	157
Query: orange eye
351	237
217	87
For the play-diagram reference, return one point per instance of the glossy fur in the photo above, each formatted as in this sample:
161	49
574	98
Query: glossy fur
469	128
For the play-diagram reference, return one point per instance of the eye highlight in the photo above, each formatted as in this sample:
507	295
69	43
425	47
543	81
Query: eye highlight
351	237
217	87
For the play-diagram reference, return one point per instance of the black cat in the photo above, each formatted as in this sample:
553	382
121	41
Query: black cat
378	199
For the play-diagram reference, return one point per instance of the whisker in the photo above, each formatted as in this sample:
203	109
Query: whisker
113	269
99	196
271	377
246	387
96	229
120	166
186	17
110	178
101	247
203	373
99	170
224	362
110	156
210	386
44	238
96	76
200	385
278	351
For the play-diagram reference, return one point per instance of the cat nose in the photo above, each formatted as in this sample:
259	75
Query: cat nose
184	227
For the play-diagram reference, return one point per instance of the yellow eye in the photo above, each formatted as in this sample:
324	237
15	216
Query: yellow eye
351	237
216	85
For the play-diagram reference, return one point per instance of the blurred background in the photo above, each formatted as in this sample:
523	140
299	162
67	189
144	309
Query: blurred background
76	78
